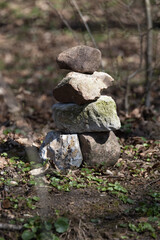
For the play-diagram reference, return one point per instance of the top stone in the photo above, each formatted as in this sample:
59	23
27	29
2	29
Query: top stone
81	59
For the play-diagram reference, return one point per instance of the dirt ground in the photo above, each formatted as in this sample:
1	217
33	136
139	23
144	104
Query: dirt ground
122	202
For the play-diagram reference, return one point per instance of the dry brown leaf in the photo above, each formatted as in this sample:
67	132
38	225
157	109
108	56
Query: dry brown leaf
6	204
3	162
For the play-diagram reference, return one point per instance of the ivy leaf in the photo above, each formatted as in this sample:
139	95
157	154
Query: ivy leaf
35	198
61	225
48	226
27	235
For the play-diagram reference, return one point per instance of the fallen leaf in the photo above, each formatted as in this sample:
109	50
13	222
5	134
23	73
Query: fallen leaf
6	204
3	162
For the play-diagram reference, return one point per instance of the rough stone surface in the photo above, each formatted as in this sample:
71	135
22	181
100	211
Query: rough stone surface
98	116
99	149
63	150
80	59
82	88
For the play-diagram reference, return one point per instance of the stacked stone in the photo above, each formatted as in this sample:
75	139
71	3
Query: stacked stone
85	118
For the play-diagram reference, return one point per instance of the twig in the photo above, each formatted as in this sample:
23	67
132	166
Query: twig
74	3
11	227
156	180
81	230
63	20
132	75
124	4
118	177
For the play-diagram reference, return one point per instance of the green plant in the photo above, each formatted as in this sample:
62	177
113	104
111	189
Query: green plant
116	186
155	195
38	229
149	209
124	237
88	178
142	227
61	225
4	154
65	183
31	201
32	180
121	192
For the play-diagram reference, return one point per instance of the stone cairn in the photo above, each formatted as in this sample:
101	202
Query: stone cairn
85	118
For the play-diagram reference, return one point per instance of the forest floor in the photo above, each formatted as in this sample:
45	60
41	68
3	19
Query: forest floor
122	202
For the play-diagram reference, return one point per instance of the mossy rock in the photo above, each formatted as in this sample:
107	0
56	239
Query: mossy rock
98	116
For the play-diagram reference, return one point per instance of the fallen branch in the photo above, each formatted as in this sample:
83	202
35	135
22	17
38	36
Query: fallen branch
11	227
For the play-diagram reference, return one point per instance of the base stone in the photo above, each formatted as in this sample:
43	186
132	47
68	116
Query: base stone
63	150
99	149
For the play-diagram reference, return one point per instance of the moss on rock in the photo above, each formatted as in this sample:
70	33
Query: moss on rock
98	116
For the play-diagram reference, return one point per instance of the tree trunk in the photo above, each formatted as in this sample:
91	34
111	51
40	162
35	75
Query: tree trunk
149	53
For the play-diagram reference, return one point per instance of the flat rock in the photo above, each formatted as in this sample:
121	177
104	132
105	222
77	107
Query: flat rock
99	149
63	150
82	88
81	58
98	116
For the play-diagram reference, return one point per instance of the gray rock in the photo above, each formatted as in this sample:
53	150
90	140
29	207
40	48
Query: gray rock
80	59
63	150
82	88
99	149
98	116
